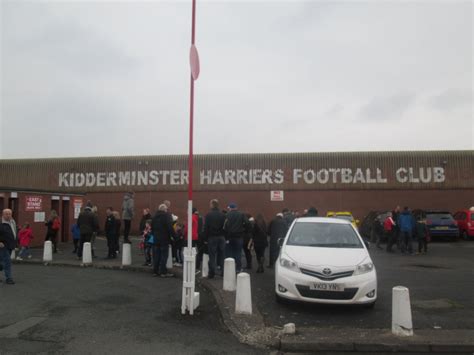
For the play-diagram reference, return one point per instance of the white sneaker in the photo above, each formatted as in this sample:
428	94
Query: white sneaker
18	258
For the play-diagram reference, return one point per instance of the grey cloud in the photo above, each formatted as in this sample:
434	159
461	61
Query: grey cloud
63	44
387	107
335	111
275	75
451	99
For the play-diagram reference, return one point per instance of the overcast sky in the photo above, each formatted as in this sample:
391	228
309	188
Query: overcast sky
90	78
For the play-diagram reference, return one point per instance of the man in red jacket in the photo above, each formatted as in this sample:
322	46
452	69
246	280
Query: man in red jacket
196	229
388	226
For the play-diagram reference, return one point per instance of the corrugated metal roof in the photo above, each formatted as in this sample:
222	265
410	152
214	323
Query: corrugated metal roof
131	172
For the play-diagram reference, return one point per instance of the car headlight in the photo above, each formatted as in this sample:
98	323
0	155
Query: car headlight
364	268
288	263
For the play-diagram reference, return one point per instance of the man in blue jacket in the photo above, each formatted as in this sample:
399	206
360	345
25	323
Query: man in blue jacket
406	223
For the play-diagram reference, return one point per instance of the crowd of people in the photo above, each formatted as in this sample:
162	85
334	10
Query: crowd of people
401	228
221	233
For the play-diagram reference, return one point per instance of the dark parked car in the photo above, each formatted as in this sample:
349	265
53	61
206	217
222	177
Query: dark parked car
372	225
439	223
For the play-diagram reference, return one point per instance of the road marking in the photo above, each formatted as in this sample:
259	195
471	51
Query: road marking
14	330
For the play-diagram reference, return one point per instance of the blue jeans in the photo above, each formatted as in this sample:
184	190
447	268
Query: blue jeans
5	260
24	252
160	257
216	246
235	248
148	252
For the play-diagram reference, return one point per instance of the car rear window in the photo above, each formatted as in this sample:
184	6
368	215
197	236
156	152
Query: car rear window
439	216
326	235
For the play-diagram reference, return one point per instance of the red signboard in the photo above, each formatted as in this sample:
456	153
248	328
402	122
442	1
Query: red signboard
33	203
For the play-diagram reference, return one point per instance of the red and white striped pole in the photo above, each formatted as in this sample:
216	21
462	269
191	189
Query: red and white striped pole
188	298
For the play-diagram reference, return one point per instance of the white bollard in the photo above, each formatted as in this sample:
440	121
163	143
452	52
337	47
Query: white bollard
13	255
401	312
87	253
48	252
196	300
289	328
229	274
243	297
205	265
126	254
169	262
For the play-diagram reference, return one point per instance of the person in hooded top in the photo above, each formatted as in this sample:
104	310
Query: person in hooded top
24	237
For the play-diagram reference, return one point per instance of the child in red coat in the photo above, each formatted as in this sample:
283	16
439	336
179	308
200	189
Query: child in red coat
24	237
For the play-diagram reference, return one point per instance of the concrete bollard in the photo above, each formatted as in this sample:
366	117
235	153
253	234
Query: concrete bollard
401	312
169	262
243	297
48	252
229	274
289	328
87	253
126	254
205	265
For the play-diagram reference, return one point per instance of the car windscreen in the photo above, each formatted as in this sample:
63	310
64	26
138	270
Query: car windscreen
439	216
326	235
345	216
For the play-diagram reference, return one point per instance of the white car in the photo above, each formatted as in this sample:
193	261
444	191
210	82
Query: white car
325	260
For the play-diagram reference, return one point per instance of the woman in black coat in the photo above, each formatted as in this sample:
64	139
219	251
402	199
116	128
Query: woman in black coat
260	241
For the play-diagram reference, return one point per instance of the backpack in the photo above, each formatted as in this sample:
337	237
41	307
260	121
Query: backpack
56	224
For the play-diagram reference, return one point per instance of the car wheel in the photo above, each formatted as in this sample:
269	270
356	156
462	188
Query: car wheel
281	300
369	305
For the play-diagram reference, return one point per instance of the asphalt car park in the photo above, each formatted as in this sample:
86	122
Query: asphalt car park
440	285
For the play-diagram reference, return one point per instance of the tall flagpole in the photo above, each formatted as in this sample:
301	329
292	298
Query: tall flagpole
190	299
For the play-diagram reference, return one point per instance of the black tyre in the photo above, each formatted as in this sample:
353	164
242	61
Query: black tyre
370	305
281	300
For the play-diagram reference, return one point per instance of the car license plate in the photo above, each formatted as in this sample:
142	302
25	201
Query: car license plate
442	228
319	286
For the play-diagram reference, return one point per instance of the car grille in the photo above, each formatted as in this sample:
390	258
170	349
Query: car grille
332	277
347	294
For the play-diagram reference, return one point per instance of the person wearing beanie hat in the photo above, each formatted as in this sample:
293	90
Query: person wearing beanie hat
88	223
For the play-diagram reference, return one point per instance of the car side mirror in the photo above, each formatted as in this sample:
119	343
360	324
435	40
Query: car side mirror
280	242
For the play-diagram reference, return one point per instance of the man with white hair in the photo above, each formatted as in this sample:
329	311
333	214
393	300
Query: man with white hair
7	243
163	231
